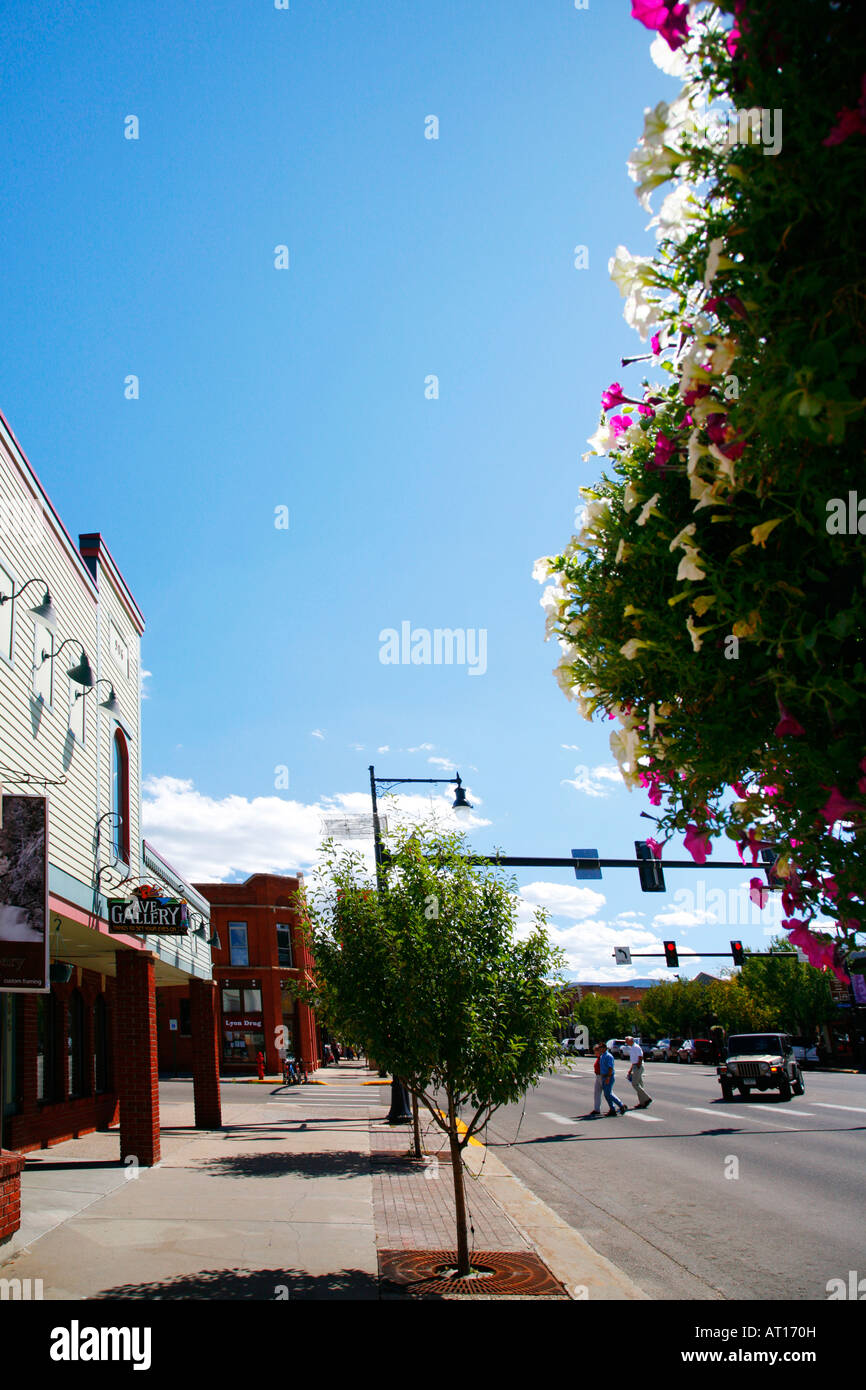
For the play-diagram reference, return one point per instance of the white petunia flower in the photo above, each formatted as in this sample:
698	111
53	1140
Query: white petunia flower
645	514
689	568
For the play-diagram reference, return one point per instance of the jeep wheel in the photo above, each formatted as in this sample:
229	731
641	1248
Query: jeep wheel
727	1090
799	1085
785	1089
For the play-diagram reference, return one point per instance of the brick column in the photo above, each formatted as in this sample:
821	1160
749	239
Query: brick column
135	1063
204	1020
10	1193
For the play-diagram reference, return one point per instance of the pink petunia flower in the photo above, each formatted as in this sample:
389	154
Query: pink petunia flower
655	847
664	449
698	844
838	807
612	396
668	17
849	121
656	344
787	724
758	892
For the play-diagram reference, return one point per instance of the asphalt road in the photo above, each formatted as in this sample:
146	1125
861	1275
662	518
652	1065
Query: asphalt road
695	1198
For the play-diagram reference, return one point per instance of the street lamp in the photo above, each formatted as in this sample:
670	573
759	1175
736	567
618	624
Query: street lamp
400	1112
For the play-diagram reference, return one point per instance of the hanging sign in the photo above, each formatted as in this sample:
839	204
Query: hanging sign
24	895
148	913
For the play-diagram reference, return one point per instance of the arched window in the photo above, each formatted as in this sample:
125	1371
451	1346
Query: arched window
120	795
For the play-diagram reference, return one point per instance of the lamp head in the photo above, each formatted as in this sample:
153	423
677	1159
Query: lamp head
82	674
460	802
46	613
111	704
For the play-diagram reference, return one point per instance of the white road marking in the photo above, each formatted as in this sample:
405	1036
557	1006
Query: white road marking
650	1119
826	1105
558	1119
721	1113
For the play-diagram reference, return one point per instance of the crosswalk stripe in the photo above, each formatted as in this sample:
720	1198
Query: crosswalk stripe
558	1119
826	1105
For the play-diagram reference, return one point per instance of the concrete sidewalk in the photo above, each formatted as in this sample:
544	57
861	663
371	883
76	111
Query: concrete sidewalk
292	1198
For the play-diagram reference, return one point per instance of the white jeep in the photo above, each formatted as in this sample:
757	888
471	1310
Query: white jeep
760	1062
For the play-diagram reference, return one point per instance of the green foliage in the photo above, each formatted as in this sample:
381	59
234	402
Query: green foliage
603	1018
428	976
709	602
794	995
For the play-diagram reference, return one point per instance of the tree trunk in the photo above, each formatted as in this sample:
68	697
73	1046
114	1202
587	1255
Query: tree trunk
459	1193
416	1125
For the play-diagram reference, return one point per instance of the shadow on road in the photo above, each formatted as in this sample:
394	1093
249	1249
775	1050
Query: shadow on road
262	1285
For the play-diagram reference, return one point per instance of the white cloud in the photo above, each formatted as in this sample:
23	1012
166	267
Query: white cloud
422	748
143	676
596	781
571	747
358	747
383	749
682	917
316	733
561	899
213	839
445	763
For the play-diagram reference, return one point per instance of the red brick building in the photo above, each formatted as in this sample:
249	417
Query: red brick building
261	948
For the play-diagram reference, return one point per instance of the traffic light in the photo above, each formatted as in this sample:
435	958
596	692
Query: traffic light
652	879
737	952
671	957
768	858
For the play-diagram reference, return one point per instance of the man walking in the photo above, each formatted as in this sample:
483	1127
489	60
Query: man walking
606	1069
635	1072
596	1097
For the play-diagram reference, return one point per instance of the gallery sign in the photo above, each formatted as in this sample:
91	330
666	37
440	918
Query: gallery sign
24	894
148	913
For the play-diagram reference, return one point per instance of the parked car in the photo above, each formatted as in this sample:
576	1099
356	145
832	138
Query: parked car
666	1049
760	1062
696	1050
806	1054
616	1045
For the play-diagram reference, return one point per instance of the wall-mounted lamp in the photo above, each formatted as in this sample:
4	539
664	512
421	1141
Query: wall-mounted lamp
44	611
82	673
110	703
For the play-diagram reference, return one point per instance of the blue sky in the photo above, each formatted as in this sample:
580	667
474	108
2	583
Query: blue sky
307	388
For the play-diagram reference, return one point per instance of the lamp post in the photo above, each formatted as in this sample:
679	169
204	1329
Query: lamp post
399	1112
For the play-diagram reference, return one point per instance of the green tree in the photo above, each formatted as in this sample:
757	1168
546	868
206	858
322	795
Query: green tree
429	977
788	993
603	1018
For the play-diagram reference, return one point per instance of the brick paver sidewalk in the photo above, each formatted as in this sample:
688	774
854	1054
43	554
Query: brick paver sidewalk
413	1201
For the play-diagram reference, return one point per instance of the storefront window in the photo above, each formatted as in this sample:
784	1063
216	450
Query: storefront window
75	1061
242	1024
45	1045
100	1041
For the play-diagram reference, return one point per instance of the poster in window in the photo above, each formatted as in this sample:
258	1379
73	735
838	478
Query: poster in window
24	895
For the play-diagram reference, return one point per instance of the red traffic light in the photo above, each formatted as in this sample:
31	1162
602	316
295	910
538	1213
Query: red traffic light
671	957
737	952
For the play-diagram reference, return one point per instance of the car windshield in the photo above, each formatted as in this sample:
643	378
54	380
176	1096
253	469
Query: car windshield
754	1044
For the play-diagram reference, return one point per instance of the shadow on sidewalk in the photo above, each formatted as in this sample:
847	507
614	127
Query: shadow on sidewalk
262	1285
338	1164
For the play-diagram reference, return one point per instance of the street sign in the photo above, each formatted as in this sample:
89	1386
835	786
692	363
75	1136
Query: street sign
586	873
622	955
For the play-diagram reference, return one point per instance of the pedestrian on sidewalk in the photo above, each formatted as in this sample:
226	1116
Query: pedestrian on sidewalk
635	1072
607	1072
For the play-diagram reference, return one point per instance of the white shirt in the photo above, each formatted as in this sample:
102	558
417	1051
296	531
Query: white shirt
635	1054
